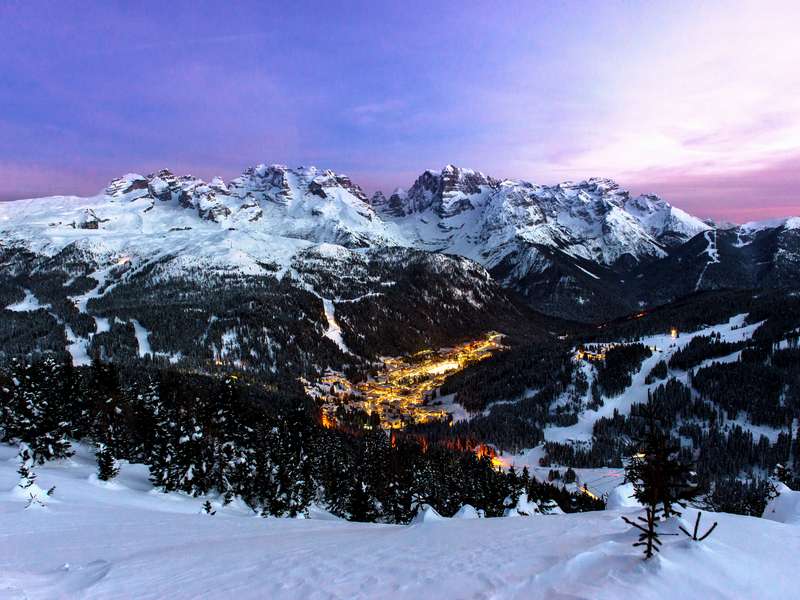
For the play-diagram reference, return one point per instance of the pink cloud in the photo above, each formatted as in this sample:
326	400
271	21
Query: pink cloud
770	191
34	181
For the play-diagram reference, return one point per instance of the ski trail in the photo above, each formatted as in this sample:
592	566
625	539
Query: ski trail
740	243
713	255
28	304
334	331
78	346
142	338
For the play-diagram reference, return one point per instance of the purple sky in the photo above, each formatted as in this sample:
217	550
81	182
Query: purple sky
699	102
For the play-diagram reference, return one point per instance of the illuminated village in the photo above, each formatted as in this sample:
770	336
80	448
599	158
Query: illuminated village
399	394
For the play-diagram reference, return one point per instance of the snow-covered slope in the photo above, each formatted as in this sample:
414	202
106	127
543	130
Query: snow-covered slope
265	215
587	250
669	225
123	539
785	507
462	211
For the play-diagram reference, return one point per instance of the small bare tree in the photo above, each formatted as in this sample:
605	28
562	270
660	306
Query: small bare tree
693	536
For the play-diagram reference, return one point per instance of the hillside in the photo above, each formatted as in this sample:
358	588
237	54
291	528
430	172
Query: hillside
123	539
586	250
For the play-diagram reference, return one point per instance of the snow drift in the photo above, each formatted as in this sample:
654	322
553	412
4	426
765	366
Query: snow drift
128	540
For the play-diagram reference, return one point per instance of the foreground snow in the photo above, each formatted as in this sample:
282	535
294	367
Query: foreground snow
97	540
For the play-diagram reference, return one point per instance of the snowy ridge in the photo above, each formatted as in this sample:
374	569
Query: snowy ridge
754	226
270	212
461	211
568	249
257	221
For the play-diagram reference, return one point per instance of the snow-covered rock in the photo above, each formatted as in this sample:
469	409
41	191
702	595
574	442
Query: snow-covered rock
523	508
621	497
785	507
467	512
426	514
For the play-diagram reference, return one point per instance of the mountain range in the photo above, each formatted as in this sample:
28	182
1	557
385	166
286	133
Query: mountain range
457	251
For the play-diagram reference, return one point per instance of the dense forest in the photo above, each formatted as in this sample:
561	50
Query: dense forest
712	416
195	379
201	435
389	302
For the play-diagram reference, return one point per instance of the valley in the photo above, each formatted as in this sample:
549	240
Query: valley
399	301
379	320
402	391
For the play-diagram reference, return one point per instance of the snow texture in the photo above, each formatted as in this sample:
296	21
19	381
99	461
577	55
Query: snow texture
785	508
258	222
124	540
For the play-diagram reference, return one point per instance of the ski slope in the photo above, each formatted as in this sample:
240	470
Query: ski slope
125	540
602	480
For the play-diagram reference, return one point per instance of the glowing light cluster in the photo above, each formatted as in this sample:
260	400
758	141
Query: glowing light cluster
400	392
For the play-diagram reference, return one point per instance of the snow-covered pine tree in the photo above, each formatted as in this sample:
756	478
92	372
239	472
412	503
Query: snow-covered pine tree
515	489
27	477
36	408
108	408
107	466
525	478
399	503
570	476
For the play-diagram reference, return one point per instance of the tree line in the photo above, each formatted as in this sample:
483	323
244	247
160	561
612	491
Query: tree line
204	435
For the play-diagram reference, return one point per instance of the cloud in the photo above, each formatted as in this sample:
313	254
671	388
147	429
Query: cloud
757	193
39	180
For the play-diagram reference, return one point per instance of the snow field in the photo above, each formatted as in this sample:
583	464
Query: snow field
125	540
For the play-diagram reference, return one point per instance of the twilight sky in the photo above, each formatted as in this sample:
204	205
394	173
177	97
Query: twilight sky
696	101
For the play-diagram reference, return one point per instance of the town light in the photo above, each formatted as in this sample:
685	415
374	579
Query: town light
399	393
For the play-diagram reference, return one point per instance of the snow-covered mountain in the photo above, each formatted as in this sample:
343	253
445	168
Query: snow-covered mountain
586	250
754	255
457	211
465	212
302	203
264	217
254	273
565	248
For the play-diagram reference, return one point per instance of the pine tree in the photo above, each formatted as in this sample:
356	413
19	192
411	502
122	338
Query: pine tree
659	478
27	477
660	482
36	407
107	467
570	476
108	408
648	538
525	478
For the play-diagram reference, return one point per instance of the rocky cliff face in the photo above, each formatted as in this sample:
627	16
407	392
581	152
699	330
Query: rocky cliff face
584	250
